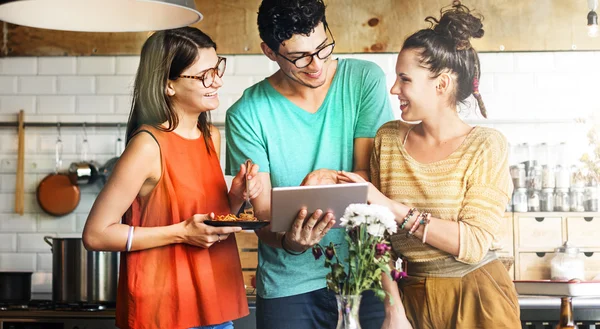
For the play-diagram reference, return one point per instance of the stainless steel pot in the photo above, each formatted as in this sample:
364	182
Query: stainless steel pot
79	275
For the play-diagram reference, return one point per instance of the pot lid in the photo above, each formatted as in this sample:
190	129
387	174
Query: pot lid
101	15
567	248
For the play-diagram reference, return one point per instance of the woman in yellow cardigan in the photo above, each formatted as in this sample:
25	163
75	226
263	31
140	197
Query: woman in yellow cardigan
448	184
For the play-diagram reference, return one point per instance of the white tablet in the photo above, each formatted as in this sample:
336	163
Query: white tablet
287	201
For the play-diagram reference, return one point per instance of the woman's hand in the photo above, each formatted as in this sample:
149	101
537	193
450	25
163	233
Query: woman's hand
238	184
373	196
198	234
396	321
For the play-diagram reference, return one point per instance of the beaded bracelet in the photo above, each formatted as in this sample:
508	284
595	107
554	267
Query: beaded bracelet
407	217
418	221
291	252
426	225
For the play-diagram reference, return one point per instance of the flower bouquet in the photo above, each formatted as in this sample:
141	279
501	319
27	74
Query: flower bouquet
367	227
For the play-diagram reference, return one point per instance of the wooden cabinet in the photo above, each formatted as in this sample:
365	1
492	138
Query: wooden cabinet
539	233
583	231
247	243
532	265
536	235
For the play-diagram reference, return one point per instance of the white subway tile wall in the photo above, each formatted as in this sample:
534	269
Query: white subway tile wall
530	97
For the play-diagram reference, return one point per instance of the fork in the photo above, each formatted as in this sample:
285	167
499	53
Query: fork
247	207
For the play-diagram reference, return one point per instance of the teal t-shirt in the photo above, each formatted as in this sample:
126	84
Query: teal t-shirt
288	143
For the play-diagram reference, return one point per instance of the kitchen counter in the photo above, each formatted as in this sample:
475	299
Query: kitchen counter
549	302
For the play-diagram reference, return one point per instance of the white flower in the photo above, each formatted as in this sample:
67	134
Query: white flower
376	229
378	218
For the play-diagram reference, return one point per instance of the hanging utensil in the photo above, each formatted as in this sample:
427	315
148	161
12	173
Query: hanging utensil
55	194
84	171
106	170
247	207
20	184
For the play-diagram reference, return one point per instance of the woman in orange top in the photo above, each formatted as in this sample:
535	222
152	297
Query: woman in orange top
177	272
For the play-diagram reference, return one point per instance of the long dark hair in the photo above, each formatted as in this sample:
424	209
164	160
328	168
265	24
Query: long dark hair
165	55
446	46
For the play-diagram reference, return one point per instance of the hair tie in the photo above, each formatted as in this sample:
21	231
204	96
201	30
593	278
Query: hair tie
475	85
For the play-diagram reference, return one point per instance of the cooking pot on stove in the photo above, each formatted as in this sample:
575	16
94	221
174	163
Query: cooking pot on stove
79	275
15	287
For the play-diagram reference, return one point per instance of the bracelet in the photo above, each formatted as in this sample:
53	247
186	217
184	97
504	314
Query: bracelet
427	220
291	252
415	225
129	238
407	217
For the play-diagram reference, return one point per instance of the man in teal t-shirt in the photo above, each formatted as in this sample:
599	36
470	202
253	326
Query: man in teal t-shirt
316	115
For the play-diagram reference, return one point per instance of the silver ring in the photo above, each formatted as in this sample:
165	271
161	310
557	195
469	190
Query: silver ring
219	237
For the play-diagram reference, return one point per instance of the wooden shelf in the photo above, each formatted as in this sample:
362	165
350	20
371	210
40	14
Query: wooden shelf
554	214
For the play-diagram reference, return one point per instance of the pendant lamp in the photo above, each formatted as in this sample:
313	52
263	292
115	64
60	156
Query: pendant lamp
100	15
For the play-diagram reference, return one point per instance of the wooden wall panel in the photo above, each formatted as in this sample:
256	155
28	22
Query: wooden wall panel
359	26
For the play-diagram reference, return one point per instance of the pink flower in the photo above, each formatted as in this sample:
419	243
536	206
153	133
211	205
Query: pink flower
381	249
397	275
329	252
317	252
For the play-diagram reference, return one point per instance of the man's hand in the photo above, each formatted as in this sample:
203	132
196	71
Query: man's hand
306	232
321	177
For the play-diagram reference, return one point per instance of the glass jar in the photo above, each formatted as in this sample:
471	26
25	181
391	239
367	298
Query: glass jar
563	177
590	198
547	199
518	174
561	200
576	199
577	177
533	201
567	263
548	179
520	200
534	177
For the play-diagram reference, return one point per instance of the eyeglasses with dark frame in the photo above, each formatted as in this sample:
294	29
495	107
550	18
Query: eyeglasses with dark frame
208	76
306	60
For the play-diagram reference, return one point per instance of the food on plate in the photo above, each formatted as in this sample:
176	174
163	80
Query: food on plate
233	218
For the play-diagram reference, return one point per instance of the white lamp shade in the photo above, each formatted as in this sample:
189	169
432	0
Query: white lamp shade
101	15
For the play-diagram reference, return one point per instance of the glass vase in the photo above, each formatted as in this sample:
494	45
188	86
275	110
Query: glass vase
348	309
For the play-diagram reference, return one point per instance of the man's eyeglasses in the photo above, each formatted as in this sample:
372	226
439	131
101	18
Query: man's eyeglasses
208	76
305	60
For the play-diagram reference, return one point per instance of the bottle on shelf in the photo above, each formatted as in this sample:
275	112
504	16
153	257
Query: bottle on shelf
520	200
561	199
566	315
576	196
547	199
590	198
533	201
518	175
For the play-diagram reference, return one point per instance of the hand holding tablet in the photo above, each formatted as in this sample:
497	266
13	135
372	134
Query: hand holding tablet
286	202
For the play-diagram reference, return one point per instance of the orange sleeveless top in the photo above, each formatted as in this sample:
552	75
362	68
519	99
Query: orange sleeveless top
181	286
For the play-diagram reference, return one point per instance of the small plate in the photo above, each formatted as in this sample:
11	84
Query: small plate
246	225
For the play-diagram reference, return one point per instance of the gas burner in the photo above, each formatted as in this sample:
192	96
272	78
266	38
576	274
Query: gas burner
13	307
48	305
83	307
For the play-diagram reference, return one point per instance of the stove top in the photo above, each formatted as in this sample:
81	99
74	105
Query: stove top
48	305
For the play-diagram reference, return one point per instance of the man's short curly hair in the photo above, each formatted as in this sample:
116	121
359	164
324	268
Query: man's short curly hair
279	20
